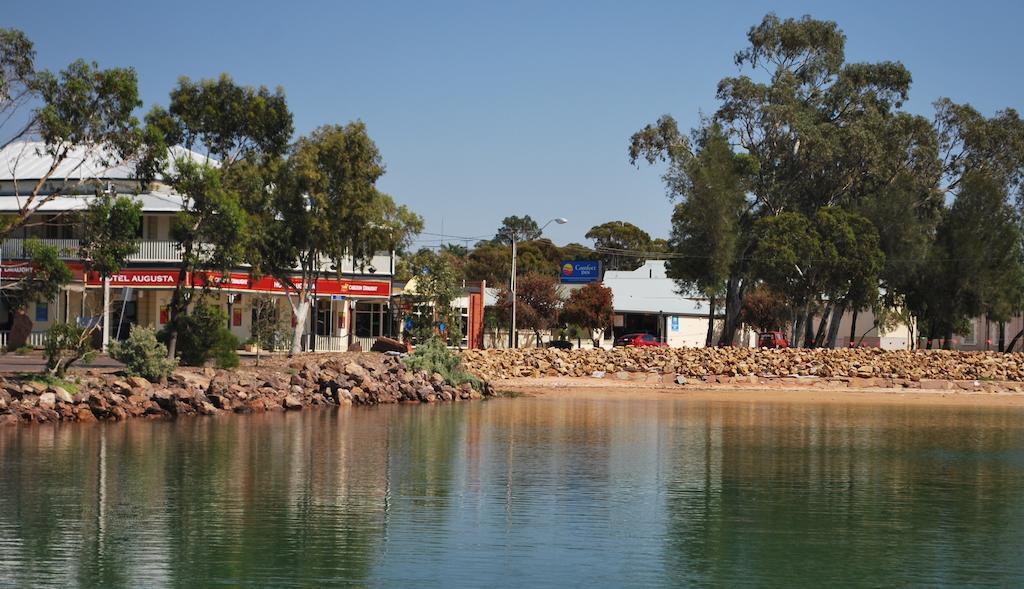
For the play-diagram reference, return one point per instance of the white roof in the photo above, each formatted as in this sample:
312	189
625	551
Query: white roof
28	160
152	202
648	289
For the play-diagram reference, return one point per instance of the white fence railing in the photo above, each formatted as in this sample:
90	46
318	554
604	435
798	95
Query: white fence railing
35	339
327	343
157	251
148	251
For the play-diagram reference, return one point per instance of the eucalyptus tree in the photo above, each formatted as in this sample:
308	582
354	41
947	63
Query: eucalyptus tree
232	138
109	236
80	119
975	267
325	209
79	122
620	244
815	125
523	228
709	220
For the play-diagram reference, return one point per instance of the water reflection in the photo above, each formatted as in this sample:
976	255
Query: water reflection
521	492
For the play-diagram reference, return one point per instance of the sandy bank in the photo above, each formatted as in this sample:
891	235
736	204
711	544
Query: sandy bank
600	389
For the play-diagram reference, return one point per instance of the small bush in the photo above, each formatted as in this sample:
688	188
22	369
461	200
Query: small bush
22	350
65	344
143	355
433	356
203	335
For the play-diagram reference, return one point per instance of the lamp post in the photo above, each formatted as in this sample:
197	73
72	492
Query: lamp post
513	341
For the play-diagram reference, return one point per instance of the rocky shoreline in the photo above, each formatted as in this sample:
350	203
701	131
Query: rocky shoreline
312	381
845	368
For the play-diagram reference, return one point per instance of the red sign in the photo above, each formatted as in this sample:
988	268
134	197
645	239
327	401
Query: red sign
323	287
15	270
139	278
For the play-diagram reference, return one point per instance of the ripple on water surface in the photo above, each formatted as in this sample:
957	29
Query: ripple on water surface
524	492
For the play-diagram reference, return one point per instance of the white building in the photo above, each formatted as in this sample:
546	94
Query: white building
646	301
351	306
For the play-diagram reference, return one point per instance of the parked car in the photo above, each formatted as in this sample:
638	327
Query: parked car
772	339
560	344
640	340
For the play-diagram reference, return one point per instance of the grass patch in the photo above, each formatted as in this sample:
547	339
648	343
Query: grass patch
70	386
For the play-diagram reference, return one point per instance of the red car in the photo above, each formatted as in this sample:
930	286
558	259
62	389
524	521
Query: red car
640	340
772	339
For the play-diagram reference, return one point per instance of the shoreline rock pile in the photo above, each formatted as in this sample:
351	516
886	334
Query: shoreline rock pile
321	380
906	365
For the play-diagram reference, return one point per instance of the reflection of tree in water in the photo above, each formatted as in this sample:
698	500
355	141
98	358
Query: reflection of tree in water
241	500
827	494
277	499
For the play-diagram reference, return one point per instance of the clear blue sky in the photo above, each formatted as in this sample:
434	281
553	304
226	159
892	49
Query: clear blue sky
486	109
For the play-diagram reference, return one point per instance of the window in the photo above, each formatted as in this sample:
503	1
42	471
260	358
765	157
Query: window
42	312
152	227
369	319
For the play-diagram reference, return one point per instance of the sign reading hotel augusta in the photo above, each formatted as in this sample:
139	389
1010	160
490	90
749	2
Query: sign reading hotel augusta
580	271
167	278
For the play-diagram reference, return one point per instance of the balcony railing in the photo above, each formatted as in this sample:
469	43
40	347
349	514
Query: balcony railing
155	251
148	251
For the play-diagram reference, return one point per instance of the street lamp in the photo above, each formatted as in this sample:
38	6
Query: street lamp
512	339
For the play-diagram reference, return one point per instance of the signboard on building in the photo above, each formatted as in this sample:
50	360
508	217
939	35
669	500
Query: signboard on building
580	271
343	287
138	279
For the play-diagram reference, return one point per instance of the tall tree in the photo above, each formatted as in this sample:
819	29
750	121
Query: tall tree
815	125
709	220
240	132
621	244
77	122
975	266
110	234
538	303
325	209
519	228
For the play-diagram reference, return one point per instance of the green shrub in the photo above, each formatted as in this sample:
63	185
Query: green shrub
65	344
143	355
203	335
433	356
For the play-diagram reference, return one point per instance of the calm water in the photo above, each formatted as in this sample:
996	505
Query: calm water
522	492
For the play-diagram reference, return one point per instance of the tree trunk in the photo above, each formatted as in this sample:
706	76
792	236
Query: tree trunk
300	324
106	315
833	328
798	329
948	343
733	303
179	303
1002	336
1013	342
809	328
711	322
853	327
819	336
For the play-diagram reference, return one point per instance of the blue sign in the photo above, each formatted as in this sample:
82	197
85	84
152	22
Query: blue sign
675	323
580	271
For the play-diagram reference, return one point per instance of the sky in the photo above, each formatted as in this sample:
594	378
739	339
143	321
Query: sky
488	109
